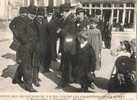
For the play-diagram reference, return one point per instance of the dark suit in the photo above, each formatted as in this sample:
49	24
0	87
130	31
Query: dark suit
68	49
86	63
52	31
17	26
26	33
41	24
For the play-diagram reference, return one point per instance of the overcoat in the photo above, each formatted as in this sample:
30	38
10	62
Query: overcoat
95	40
68	49
52	31
41	24
86	63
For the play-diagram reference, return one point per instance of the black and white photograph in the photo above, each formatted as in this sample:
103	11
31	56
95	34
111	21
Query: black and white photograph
68	46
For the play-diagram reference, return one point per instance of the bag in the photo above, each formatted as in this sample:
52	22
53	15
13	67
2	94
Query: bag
15	45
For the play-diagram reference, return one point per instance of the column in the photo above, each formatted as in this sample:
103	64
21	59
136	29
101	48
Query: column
117	15
124	14
28	2
135	19
55	3
63	1
112	14
101	7
4	9
36	2
90	9
46	3
129	16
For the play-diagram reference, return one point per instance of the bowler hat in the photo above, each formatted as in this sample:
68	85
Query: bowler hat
65	7
32	10
23	10
41	11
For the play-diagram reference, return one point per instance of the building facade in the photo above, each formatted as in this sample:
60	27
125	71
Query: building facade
116	11
9	8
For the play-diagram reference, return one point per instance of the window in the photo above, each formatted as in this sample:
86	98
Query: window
129	18
130	5
85	5
118	5
96	5
107	5
40	2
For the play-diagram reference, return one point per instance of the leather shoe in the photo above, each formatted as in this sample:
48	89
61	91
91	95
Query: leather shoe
30	89
36	83
17	81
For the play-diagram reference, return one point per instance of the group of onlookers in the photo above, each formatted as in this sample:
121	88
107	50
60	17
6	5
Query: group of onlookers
35	35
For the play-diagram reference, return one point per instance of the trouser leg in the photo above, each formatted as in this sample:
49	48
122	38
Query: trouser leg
65	71
84	84
47	60
19	72
18	75
27	68
108	43
36	64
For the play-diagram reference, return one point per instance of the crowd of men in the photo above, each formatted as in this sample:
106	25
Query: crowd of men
35	35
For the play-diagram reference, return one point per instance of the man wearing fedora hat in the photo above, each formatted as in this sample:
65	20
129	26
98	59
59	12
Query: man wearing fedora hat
26	33
30	46
17	27
68	45
39	56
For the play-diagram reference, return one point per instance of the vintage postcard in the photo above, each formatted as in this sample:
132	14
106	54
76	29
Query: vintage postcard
68	49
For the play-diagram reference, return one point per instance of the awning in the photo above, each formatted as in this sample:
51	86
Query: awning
107	1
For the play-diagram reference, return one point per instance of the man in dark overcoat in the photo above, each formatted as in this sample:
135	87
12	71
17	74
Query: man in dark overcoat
26	33
16	26
68	47
41	54
52	28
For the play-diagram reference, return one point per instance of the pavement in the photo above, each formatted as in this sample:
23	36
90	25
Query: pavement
50	80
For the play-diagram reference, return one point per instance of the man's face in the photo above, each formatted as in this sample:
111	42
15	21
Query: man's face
93	25
49	15
31	16
23	14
